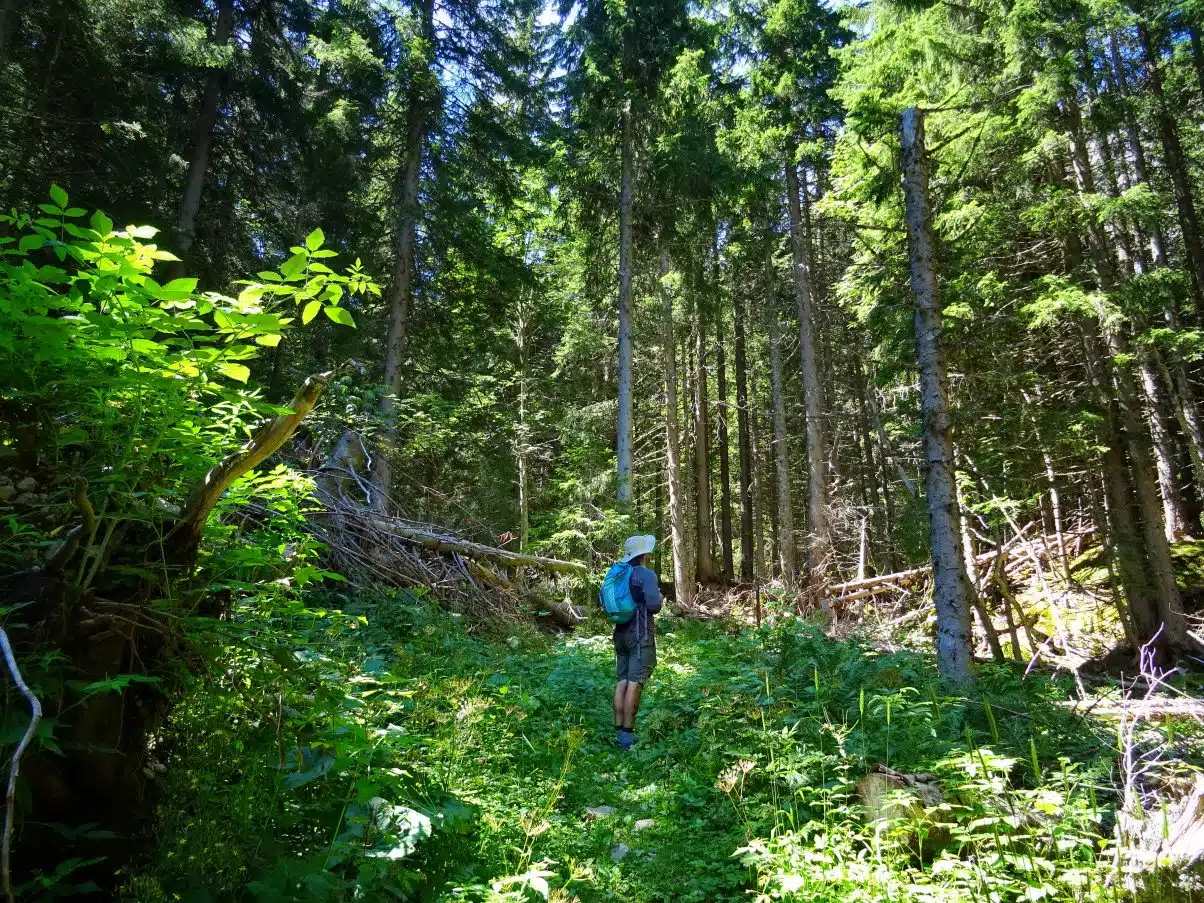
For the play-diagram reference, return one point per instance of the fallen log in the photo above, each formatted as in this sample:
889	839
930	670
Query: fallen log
443	544
565	614
446	545
1013	561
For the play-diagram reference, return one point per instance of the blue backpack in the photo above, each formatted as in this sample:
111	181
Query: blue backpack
615	594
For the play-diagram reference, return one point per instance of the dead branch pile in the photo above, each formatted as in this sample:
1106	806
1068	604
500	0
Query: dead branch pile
1019	557
1161	821
369	546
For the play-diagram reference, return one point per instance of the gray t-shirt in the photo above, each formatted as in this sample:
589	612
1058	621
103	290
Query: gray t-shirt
646	590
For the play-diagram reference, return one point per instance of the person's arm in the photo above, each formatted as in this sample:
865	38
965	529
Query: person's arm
652	590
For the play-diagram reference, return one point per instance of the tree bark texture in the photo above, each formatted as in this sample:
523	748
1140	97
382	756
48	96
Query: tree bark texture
623	441
198	162
400	300
704	566
725	476
1174	160
951	588
744	440
1133	139
683	583
781	456
819	546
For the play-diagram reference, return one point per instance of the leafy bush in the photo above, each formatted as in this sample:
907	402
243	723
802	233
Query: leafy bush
485	756
121	392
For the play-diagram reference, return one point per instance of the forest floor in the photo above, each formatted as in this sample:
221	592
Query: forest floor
382	751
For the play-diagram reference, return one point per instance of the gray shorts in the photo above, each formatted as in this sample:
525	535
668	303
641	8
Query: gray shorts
635	657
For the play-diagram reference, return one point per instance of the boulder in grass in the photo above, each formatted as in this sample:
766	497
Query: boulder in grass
901	802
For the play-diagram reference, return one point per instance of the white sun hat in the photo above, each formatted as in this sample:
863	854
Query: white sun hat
638	545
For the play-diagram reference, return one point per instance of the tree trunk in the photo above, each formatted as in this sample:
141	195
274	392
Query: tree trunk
725	476
762	464
1157	549
1174	160
1136	148
401	290
704	565
198	163
1055	499
781	458
522	439
1197	56
951	589
1174	512
1186	412
744	439
683	585
623	443
6	7
980	605
819	547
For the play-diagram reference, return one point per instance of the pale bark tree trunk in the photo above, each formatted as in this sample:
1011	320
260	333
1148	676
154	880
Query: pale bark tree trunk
522	437
399	301
683	584
951	588
725	476
1169	606
1051	478
1174	160
781	457
704	565
1136	148
623	443
744	439
1157	548
1186	412
819	547
976	599
202	140
886	451
874	490
1174	512
762	464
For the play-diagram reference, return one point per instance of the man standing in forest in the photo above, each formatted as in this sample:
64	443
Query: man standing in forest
635	640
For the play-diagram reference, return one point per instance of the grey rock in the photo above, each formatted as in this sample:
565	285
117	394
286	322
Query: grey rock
29	484
642	824
7	493
598	812
619	851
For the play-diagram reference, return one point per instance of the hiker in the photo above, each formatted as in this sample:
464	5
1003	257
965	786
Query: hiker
635	636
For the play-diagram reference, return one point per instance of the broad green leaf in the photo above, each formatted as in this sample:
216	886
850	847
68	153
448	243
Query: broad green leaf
314	240
101	223
141	231
340	315
31	242
293	266
58	195
235	371
271	340
186	285
311	311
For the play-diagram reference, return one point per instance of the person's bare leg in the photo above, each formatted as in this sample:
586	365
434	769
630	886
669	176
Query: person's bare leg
620	701
631	704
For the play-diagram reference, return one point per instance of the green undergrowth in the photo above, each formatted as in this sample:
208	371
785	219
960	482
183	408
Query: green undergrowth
378	750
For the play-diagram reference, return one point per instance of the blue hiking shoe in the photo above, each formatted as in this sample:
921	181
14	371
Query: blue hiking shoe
624	739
